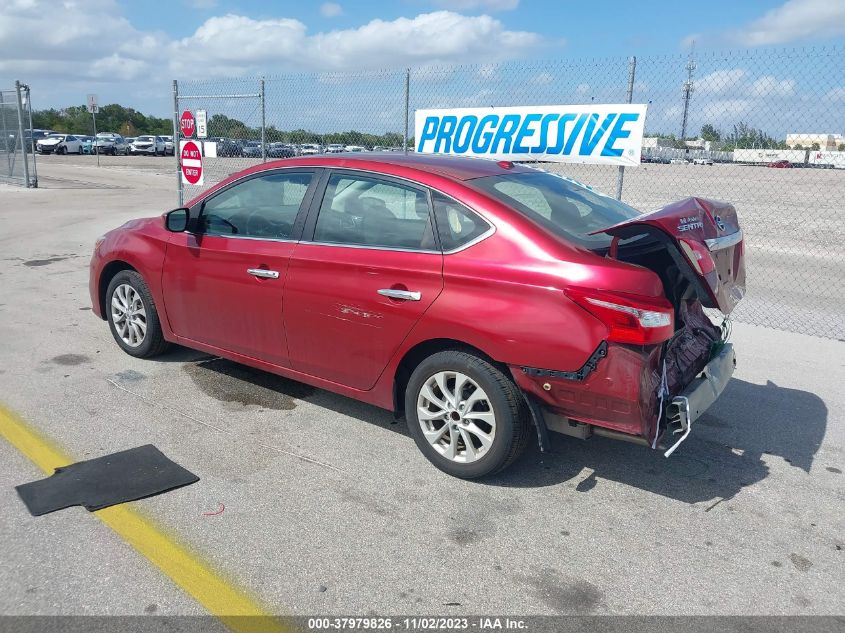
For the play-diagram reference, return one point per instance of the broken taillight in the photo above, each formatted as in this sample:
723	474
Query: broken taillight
632	319
698	255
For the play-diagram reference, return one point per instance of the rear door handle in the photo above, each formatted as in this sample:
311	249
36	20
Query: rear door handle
263	272
406	295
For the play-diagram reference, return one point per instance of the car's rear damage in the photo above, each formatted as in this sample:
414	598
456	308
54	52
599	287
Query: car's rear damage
664	362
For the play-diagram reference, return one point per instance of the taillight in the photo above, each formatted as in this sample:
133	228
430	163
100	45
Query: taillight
699	256
629	318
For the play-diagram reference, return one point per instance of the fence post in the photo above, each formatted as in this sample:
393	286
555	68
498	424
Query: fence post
632	71
31	139
20	132
177	151
5	133
407	102
263	125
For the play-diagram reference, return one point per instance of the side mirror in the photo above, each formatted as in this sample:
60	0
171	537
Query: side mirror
176	221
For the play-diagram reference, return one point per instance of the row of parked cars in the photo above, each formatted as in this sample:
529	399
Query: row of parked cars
252	149
49	142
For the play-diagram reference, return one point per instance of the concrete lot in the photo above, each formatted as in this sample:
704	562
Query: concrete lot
329	506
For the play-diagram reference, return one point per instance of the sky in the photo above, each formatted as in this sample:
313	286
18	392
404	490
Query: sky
129	52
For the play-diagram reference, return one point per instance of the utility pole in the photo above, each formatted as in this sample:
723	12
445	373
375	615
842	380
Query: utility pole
687	90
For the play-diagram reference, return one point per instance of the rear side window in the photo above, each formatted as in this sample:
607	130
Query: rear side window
261	207
456	225
359	210
564	207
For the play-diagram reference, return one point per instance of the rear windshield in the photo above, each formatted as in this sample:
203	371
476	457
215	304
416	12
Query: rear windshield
563	206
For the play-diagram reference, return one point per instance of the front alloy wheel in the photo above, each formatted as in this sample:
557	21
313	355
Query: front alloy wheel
132	315
129	315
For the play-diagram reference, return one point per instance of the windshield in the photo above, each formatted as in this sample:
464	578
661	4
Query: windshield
561	205
144	138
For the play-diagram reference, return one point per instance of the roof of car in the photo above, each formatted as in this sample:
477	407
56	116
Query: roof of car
456	167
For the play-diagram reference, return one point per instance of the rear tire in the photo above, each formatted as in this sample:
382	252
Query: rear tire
480	405
132	315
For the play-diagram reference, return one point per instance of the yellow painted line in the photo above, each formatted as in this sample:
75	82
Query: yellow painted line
231	605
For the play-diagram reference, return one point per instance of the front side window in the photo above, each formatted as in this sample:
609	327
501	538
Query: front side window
370	212
261	207
564	207
456	225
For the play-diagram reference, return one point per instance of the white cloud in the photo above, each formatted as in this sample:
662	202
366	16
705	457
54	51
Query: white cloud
836	94
720	81
767	86
331	9
470	5
795	20
542	78
725	109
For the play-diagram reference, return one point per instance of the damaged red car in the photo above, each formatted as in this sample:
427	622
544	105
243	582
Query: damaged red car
488	302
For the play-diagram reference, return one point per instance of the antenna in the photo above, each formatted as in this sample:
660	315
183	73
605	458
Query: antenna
687	89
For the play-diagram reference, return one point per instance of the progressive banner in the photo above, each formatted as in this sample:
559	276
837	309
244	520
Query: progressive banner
606	134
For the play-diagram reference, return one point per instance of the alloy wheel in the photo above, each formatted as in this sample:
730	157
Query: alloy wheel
129	315
456	416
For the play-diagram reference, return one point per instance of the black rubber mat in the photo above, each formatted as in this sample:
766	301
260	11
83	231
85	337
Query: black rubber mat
106	481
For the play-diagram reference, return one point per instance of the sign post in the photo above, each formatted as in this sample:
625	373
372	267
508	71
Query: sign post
94	108
202	124
191	161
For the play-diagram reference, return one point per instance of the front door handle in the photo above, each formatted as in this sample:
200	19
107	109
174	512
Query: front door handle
405	295
263	272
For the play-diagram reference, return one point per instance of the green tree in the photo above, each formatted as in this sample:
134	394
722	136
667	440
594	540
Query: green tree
710	133
841	147
815	147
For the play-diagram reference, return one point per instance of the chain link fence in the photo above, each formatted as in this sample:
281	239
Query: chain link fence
760	129
17	157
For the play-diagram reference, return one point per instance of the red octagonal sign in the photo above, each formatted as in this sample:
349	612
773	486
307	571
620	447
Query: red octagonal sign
186	123
191	160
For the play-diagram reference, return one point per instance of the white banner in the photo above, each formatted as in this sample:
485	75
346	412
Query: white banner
606	134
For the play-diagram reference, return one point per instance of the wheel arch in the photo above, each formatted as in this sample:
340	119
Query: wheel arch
109	271
419	352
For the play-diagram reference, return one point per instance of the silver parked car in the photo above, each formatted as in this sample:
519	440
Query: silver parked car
110	143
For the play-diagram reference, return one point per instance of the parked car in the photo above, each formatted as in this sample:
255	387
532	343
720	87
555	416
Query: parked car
780	164
229	148
309	149
702	161
679	161
487	301
129	140
251	149
168	145
59	144
87	144
335	148
354	148
110	143
280	150
150	145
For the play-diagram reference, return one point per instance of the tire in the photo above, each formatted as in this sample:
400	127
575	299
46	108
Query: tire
152	343
510	431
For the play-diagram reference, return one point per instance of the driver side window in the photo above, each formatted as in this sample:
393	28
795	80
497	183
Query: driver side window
261	207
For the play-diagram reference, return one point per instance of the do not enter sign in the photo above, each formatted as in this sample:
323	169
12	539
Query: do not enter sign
191	159
186	124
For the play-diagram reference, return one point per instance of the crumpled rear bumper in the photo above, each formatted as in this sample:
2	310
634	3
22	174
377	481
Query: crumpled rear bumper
696	398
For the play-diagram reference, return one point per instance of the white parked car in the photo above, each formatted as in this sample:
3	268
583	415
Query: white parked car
151	145
168	145
679	161
355	148
702	161
59	144
308	149
334	148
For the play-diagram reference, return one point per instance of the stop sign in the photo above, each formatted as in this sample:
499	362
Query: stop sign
191	161
186	123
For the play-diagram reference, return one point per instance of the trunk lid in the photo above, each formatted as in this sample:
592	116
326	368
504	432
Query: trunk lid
708	236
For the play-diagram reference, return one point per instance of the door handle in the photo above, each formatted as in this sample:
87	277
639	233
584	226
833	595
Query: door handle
405	295
263	272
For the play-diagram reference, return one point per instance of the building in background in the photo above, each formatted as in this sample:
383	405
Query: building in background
826	142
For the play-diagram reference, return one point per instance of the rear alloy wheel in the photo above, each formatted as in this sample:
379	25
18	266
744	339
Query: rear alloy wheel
132	316
466	416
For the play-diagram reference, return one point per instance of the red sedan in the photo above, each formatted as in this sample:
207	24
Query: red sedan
488	302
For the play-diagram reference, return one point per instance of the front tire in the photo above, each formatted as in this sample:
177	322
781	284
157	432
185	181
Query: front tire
132	315
466	416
